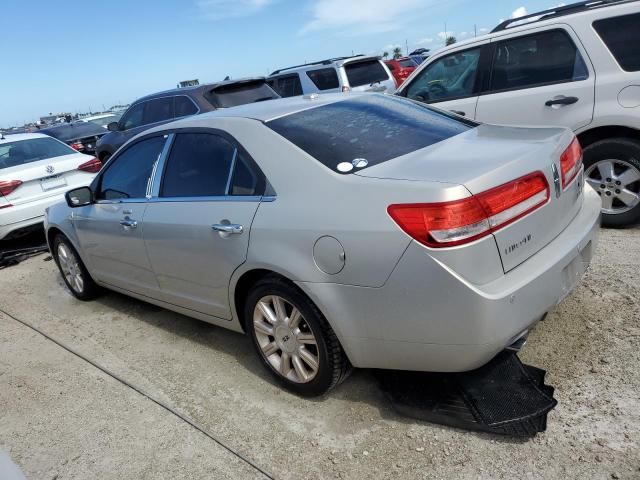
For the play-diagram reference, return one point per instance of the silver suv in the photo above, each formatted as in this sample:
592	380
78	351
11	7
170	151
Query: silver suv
360	73
577	66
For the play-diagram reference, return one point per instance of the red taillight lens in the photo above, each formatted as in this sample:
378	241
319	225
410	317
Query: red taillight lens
571	162
77	146
462	221
8	186
92	166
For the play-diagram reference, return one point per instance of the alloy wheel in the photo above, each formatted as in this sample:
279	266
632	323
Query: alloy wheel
285	339
618	184
70	268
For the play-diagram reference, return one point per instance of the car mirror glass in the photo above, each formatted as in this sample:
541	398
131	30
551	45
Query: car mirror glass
113	127
79	197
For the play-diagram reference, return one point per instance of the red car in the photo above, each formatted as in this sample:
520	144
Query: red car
401	68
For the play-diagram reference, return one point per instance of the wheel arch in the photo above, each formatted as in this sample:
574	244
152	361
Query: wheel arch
596	134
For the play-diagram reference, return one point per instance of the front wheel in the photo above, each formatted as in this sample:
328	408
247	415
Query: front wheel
74	273
293	339
612	168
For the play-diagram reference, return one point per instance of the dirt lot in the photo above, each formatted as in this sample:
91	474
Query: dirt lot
62	418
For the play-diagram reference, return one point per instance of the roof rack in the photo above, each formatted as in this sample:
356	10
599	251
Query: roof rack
556	12
328	61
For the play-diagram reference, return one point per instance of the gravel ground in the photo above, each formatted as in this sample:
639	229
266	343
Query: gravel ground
62	418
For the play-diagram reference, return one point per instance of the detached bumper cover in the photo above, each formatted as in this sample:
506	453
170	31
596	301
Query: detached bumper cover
428	318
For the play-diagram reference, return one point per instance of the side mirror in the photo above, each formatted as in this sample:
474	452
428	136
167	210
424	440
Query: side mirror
113	127
79	197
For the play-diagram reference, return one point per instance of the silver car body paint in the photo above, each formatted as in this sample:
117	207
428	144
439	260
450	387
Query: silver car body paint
394	303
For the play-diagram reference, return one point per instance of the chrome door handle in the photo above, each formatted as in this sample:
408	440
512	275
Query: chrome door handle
228	228
128	224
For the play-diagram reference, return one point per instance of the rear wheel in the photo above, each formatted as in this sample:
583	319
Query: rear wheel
293	339
74	273
612	168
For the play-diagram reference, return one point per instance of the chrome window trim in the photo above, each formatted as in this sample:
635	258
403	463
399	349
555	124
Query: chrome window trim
160	165
219	198
231	169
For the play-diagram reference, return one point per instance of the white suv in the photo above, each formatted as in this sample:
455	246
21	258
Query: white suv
360	74
576	66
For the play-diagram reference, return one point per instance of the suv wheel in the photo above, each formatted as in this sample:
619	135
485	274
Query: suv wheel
293	339
612	168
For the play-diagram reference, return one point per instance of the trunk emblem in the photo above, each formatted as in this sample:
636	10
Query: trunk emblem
556	180
50	169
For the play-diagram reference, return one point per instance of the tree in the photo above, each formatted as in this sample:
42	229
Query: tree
385	55
451	40
397	53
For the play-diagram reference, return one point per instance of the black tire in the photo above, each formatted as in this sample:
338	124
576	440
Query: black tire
333	365
624	150
90	290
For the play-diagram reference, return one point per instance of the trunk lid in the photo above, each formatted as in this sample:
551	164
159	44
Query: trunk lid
489	156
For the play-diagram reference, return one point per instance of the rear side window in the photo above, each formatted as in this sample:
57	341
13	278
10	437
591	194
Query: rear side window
539	59
158	110
247	178
14	154
184	106
365	73
234	94
287	86
198	166
127	176
367	129
324	78
622	37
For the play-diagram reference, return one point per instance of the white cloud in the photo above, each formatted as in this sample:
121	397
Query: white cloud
361	15
219	9
519	12
425	41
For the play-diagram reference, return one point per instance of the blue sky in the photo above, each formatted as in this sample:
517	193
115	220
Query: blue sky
76	55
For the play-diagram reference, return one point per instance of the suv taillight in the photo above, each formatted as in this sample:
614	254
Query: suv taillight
462	221
571	162
92	166
77	146
8	186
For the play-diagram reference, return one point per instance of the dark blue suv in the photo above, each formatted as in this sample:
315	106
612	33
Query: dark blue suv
164	107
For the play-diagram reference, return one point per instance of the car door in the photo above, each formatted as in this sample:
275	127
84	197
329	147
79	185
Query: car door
110	229
145	115
542	78
450	82
196	229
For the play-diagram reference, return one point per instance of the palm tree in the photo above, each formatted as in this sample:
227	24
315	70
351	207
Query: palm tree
451	40
397	53
385	55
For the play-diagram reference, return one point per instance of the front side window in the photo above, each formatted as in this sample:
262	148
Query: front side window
453	76
158	110
198	166
127	176
621	35
13	154
184	106
133	118
324	78
365	72
539	59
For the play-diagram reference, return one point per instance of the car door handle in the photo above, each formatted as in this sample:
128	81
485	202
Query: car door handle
129	224
562	101
459	112
228	228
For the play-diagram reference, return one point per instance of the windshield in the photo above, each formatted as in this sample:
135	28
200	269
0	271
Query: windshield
349	135
365	73
242	93
13	154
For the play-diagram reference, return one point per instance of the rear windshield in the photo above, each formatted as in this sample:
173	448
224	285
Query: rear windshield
622	36
74	131
13	154
236	94
406	63
366	130
365	73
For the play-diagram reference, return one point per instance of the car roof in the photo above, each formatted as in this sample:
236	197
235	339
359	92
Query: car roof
15	137
197	89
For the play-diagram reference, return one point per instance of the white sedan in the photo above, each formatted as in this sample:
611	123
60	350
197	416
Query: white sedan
35	172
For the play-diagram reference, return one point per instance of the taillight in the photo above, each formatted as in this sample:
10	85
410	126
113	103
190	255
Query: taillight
462	221
92	166
571	162
77	146
8	186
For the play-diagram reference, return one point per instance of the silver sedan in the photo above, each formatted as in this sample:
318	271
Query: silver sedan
339	231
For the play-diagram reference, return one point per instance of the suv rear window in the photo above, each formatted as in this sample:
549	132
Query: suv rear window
324	78
241	93
375	128
365	73
622	36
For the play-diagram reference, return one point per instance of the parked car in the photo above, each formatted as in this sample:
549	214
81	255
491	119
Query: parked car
81	136
422	242
345	74
103	119
401	68
164	107
35	171
577	66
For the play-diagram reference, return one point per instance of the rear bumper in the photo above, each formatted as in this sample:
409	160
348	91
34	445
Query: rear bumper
17	217
428	318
